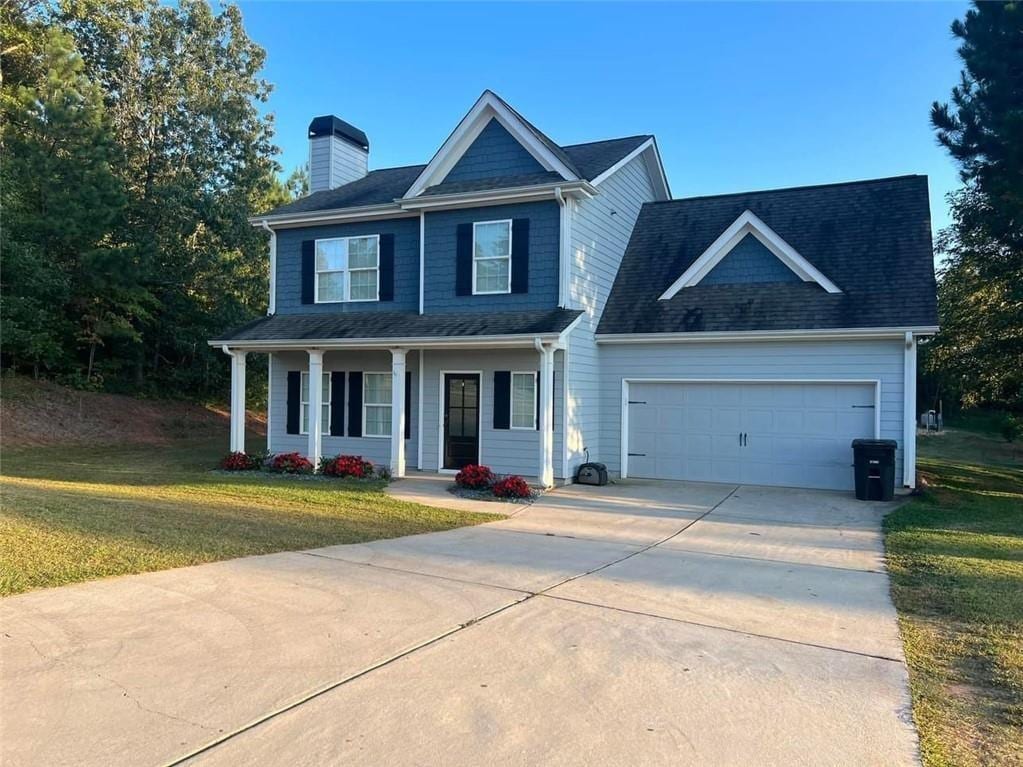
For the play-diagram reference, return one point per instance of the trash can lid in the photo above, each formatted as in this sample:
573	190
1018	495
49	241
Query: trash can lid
875	443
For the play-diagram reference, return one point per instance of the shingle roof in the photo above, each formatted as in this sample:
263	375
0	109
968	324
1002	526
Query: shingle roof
387	184
871	238
396	325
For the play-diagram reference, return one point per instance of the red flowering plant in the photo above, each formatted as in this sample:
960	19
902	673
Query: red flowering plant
475	477
346	466
289	463
239	461
511	487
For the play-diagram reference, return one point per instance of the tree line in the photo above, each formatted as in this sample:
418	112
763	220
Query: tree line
134	149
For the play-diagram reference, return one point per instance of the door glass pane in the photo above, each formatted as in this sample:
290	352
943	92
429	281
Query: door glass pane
469	422
455	393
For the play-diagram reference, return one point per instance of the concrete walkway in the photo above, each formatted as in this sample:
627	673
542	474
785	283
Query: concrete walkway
641	623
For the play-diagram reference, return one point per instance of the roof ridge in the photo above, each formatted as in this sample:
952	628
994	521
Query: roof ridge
606	140
775	190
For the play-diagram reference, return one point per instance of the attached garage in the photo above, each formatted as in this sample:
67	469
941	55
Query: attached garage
788	433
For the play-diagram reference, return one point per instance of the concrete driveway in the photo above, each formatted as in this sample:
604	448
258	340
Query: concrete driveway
642	623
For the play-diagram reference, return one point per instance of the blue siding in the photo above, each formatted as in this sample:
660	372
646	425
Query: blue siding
406	266
749	261
441	233
495	152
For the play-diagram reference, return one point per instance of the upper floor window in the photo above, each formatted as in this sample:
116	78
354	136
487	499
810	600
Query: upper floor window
348	269
491	257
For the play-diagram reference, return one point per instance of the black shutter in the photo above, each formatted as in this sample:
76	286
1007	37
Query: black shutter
536	392
308	271
502	399
387	267
408	399
520	256
294	401
463	261
554	400
355	404
337	404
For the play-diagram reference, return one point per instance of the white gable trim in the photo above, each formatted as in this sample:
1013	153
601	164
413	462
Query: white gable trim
748	223
488	107
655	168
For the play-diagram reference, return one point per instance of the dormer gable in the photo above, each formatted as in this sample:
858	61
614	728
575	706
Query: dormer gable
491	115
495	152
734	257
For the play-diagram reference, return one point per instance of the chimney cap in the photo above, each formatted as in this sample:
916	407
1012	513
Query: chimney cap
328	125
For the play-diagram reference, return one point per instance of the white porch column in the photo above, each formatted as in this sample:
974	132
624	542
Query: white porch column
546	473
237	401
315	450
398	414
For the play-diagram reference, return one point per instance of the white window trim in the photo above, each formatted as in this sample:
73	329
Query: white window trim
511	400
475	292
324	400
346	271
365	405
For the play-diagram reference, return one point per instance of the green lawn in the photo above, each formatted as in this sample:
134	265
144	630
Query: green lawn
956	560
77	513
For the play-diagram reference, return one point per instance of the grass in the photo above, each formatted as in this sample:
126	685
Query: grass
956	559
74	514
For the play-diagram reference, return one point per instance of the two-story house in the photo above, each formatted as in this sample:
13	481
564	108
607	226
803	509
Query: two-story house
520	303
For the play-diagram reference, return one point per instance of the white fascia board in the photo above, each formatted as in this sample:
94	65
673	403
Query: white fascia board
427	342
496	196
764	335
488	107
362	213
748	223
655	168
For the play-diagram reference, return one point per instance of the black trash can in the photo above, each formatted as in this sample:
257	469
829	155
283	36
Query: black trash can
874	461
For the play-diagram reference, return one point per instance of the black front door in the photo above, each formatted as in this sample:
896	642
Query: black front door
461	419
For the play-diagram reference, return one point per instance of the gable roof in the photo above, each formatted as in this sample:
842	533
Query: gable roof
748	224
871	238
385	185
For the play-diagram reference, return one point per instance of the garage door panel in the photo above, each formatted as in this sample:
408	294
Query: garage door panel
796	434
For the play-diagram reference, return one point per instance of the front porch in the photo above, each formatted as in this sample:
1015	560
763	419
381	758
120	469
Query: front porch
429	409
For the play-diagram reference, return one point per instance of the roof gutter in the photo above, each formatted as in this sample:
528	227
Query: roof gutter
421	342
508	194
764	335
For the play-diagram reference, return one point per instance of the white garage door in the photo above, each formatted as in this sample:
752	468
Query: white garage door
789	434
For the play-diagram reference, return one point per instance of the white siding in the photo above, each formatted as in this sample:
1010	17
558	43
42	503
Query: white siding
598	243
375	449
506	451
790	360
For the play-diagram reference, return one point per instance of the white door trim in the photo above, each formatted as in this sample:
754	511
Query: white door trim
440	418
624	437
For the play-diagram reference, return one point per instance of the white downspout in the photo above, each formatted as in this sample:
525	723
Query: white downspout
272	306
909	413
564	229
546	456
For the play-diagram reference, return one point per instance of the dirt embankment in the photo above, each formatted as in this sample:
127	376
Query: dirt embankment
43	413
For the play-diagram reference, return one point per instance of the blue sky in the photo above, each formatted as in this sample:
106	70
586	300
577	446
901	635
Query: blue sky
740	95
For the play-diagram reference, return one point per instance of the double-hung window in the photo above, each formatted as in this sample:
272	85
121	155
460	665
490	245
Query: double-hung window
324	404
491	257
523	400
376	404
348	269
